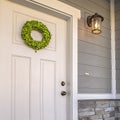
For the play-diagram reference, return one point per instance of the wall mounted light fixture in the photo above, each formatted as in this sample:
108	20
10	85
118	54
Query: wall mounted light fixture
95	22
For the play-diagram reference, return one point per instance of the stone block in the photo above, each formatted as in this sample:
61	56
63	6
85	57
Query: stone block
102	104
99	111
86	113
117	115
109	114
84	118
111	118
109	109
94	117
112	114
118	109
118	103
112	103
85	109
117	118
86	104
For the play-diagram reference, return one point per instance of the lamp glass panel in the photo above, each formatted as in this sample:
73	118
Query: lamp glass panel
96	25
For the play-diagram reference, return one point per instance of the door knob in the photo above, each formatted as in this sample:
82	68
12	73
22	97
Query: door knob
63	93
63	83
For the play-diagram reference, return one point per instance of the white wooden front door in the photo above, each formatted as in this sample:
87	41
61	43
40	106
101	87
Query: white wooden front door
30	82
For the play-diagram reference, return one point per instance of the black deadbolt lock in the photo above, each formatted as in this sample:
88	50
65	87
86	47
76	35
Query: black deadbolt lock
63	83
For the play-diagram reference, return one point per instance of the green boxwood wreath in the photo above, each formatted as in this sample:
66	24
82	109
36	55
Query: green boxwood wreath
40	27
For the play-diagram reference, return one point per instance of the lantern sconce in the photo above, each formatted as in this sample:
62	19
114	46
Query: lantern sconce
95	22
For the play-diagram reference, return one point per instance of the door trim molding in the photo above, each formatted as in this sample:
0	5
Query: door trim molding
55	6
71	15
113	59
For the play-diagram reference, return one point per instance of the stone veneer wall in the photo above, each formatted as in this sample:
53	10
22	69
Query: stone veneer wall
99	110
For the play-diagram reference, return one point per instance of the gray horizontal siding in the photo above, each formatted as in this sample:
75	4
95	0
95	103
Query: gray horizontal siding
117	45
90	6
117	40
118	89
105	32
117	1
94	91
86	81
102	3
117	25
94	39
88	59
118	80
117	34
117	5
94	51
118	75
117	54
94	71
117	15
118	64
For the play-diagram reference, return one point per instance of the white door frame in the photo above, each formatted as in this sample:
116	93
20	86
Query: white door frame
71	15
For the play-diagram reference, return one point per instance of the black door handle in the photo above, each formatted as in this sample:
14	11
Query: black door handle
63	93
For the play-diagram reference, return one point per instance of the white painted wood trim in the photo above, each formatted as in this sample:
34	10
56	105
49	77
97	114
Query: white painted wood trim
113	61
94	96
74	72
58	6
